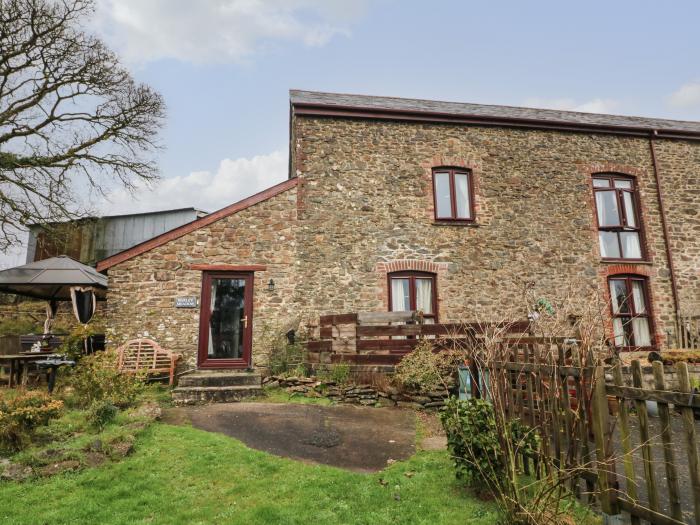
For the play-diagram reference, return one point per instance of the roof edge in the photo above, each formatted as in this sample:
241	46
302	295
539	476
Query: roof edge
319	109
189	227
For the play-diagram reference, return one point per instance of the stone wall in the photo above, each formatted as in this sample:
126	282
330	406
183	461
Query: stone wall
366	202
360	394
141	299
363	207
679	171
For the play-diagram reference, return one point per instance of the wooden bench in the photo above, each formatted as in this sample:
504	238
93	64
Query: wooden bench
145	355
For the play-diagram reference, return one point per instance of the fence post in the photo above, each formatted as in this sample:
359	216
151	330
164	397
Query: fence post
691	445
674	493
626	439
601	426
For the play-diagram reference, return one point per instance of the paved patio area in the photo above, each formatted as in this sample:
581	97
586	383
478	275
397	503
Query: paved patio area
354	438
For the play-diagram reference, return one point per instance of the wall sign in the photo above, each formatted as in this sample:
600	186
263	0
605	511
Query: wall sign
186	302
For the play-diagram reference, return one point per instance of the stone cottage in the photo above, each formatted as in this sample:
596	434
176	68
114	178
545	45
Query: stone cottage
398	204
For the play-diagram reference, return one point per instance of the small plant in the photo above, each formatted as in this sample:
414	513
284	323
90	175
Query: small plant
338	373
285	358
101	413
96	378
22	414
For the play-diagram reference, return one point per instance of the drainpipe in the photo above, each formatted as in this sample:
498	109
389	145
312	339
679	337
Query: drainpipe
662	214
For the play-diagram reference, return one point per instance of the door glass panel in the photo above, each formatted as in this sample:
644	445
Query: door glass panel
631	249
629	209
424	295
608	245
462	195
400	295
618	296
228	319
606	204
442	195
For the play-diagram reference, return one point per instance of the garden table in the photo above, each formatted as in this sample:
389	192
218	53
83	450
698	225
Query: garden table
52	365
17	364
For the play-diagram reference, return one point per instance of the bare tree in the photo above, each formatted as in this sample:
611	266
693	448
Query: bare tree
72	119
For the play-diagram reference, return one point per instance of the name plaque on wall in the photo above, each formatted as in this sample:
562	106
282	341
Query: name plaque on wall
185	302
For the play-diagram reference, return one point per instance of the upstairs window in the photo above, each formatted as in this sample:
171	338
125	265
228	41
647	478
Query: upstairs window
453	194
630	311
619	221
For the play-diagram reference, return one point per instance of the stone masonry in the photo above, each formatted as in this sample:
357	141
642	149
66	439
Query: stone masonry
363	206
141	300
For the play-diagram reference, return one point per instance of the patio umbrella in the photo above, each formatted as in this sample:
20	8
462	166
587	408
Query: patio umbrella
57	279
52	279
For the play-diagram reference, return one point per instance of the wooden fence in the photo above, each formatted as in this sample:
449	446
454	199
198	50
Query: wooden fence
687	332
383	338
600	433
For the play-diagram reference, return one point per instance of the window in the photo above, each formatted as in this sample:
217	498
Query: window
630	311
617	212
453	194
413	291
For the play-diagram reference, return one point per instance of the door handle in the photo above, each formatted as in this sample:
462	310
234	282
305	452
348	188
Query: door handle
244	320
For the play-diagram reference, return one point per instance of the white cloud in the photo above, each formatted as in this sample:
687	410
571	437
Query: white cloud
234	180
205	31
686	96
596	105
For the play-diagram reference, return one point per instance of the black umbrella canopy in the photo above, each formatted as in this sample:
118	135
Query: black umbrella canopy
51	279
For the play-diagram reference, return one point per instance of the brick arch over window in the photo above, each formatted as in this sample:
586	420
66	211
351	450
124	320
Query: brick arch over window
402	265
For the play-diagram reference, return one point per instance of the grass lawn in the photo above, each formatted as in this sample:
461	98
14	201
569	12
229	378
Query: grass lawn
184	475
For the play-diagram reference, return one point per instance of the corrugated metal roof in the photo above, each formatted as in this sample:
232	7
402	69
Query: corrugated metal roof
367	103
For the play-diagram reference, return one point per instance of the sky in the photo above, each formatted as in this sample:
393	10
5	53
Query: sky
225	68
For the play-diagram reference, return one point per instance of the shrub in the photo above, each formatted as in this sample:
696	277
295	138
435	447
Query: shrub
96	378
22	414
472	440
19	327
73	345
102	412
424	369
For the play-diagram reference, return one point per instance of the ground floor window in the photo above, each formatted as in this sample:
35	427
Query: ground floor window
629	300
413	291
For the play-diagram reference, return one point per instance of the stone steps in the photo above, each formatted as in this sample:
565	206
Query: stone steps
219	378
220	386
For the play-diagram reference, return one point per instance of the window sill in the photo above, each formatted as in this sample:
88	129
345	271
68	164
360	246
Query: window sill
626	261
459	224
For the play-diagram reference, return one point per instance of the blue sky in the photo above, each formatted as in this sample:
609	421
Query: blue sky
630	57
225	68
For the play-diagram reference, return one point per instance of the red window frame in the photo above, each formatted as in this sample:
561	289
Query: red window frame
412	276
453	195
627	317
622	214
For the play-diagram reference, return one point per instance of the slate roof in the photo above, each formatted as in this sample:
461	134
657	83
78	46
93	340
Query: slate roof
494	114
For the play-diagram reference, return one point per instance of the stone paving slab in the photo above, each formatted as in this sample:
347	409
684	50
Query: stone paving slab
355	438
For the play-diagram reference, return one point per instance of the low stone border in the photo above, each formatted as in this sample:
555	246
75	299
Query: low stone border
365	394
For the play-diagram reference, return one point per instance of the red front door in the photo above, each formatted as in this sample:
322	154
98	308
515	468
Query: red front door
226	320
